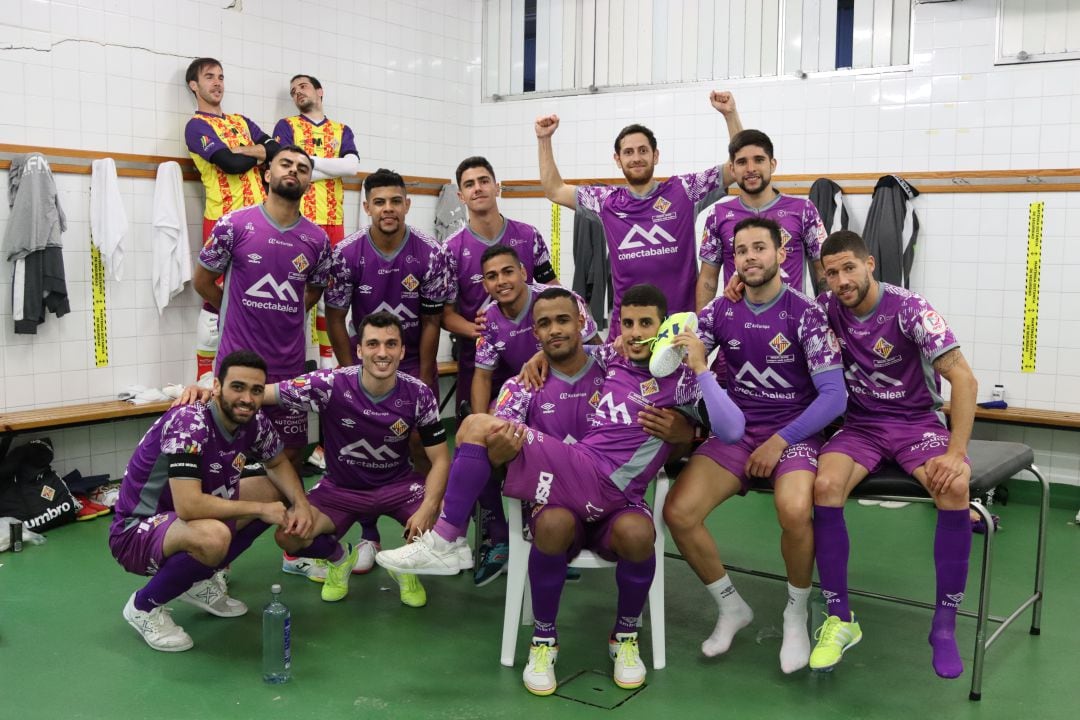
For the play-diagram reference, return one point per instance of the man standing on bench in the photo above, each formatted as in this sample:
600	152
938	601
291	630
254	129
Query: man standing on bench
894	348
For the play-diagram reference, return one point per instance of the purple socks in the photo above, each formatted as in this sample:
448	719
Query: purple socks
952	548
547	575
326	547
832	547
469	472
633	580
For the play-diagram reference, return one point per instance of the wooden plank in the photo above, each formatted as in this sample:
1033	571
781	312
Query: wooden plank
1027	416
450	367
78	414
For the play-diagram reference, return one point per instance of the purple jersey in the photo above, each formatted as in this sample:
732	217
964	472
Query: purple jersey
618	445
366	437
771	352
801	234
561	408
267	270
192	430
508	343
650	239
888	355
462	253
409	282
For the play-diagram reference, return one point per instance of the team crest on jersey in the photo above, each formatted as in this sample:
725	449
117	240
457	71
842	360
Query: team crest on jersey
780	344
661	205
47	492
410	282
650	387
934	323
883	348
239	461
595	399
400	427
785	238
300	263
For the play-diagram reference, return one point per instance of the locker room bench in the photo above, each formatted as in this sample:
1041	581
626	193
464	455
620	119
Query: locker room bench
992	463
1054	419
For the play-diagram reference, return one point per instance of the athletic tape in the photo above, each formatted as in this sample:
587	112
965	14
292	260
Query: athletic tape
556	234
1030	343
101	326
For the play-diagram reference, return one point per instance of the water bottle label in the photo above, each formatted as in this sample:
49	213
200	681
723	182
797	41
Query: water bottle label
288	638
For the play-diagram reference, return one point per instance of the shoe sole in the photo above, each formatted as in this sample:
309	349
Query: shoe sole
540	692
417	571
362	572
211	611
829	668
182	648
301	573
628	686
339	599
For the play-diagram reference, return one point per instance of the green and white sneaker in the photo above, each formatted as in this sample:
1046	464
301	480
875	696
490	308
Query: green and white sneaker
629	672
336	585
412	591
539	674
834	638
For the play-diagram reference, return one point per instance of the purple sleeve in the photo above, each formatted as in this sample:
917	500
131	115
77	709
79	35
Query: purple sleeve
450	268
307	392
922	324
339	291
830	403
814	232
706	327
216	254
320	272
592	197
711	244
513	402
698	185
267	443
487	353
819	343
185	432
283	132
256	133
348	143
725	419
201	138
433	285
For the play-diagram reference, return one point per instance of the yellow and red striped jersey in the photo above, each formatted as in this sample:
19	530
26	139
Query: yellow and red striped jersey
207	133
323	202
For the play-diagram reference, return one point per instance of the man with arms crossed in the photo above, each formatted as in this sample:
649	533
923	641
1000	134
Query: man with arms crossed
648	225
275	263
789	384
894	348
226	150
368	412
184	512
600	481
332	148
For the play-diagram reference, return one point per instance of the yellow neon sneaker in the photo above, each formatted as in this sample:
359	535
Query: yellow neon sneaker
833	639
336	585
412	592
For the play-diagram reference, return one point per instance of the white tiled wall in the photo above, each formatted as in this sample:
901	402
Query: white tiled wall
952	110
108	75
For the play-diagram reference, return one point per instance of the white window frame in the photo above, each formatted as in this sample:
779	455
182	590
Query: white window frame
1010	25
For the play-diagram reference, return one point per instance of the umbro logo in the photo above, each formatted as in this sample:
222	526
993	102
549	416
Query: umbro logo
734	344
548	408
255	258
364	289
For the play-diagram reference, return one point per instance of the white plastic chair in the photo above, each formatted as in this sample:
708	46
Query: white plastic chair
519	602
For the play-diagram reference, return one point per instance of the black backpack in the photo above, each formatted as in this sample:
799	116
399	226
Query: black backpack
31	491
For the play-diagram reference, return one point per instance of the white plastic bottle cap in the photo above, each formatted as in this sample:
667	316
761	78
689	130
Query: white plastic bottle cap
275	588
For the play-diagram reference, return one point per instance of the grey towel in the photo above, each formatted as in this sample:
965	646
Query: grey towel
892	228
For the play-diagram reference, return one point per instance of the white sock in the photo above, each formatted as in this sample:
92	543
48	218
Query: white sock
735	614
795	650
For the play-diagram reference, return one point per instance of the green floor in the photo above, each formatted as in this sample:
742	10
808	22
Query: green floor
65	651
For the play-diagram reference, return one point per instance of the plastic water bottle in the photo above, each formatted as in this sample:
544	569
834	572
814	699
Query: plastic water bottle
277	660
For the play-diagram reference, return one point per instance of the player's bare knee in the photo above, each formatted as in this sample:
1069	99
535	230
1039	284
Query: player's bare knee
554	530
829	490
794	515
633	537
957	495
476	427
681	516
210	541
289	543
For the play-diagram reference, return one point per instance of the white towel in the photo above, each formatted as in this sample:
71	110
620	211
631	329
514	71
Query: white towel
108	222
169	236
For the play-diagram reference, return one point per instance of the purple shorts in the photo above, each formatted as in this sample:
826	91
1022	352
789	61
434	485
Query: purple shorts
909	445
549	472
139	545
345	506
802	456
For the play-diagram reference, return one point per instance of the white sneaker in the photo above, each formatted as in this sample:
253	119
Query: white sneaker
629	670
157	628
310	568
539	674
365	559
427	554
213	596
465	556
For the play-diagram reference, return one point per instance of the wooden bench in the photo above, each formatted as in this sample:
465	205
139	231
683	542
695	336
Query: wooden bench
1056	419
11	424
